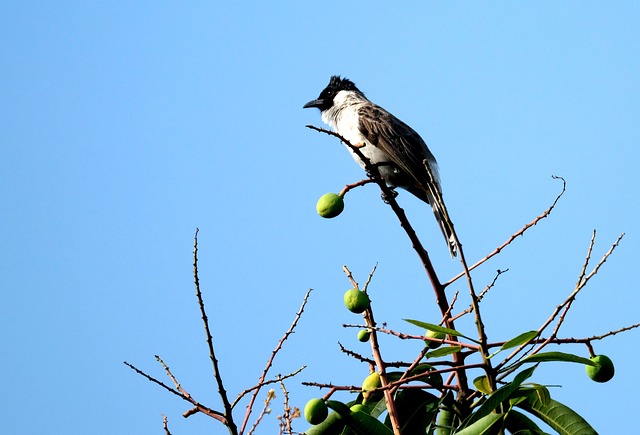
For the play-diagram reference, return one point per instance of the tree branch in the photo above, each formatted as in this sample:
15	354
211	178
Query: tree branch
233	429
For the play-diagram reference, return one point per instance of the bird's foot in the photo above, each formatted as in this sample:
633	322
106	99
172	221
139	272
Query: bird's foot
386	198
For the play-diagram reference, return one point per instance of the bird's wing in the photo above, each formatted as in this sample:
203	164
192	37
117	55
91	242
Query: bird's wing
401	143
406	149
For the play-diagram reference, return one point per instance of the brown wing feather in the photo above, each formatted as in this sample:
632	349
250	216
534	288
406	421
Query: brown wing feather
401	143
406	150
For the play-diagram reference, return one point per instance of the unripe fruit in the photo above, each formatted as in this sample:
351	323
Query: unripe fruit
370	383
363	335
356	300
330	205
603	371
315	411
358	407
434	334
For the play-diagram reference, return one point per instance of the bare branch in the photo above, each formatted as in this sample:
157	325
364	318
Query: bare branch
366	284
516	235
482	294
165	425
610	333
349	187
270	361
582	282
180	392
212	356
154	380
265	410
265	383
288	414
447	314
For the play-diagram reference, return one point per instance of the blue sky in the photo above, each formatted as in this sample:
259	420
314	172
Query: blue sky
125	127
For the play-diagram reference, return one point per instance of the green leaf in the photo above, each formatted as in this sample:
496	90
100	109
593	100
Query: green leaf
416	409
434	379
332	425
541	392
365	424
437	328
378	408
394	376
482	384
360	422
445	422
559	417
485	426
500	395
517	423
557	356
518	340
443	351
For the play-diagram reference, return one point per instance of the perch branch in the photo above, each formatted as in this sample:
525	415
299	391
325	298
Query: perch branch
389	197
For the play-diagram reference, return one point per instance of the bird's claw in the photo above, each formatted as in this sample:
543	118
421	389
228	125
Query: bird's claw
386	198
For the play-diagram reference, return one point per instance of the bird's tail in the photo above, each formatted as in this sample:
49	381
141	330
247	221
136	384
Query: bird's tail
430	193
442	217
433	196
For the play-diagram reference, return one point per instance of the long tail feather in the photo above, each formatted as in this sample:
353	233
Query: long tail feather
444	222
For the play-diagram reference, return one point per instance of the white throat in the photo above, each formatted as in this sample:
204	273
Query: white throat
345	103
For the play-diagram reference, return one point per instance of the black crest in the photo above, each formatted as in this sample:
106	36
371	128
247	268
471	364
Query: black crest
336	84
342	84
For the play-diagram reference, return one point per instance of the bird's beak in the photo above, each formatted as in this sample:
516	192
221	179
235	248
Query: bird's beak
314	103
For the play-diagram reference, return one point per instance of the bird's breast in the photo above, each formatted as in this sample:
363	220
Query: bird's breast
346	123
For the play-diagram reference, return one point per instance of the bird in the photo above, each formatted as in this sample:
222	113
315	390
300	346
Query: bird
400	154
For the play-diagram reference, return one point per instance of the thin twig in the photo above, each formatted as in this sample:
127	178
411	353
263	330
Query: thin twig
582	282
350	277
366	284
265	410
482	294
572	340
348	187
579	286
413	365
264	384
515	235
270	361
355	355
380	365
182	394
447	314
404	336
233	429
610	333
154	380
573	295
165	425
289	413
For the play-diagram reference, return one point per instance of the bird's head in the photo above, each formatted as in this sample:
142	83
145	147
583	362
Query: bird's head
328	94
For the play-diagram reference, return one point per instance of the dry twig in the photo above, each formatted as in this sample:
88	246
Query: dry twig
261	380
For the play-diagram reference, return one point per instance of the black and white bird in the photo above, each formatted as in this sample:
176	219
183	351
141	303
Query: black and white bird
390	144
